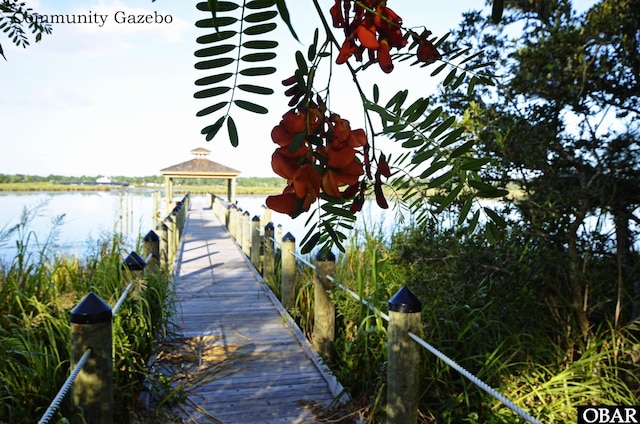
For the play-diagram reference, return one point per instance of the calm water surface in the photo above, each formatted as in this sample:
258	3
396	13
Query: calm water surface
87	217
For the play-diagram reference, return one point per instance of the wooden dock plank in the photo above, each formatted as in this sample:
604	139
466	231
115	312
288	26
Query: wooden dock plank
269	373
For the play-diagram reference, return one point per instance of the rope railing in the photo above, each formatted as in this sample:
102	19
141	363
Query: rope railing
55	403
275	243
158	248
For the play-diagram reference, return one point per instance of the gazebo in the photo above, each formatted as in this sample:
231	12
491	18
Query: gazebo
200	167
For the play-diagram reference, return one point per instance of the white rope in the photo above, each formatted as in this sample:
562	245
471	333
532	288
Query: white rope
55	403
475	380
123	297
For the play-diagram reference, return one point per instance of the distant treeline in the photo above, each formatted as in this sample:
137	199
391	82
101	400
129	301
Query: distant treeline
140	181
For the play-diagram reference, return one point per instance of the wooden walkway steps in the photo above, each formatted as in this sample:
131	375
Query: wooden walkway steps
263	370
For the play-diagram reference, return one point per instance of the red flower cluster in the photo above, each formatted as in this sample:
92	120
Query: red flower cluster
316	153
376	28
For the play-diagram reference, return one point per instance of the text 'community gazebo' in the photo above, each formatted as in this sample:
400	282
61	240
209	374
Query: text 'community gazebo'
200	167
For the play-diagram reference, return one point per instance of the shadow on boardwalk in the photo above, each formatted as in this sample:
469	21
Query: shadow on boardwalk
240	358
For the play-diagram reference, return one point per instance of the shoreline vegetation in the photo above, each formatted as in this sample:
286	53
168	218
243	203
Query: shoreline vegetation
244	186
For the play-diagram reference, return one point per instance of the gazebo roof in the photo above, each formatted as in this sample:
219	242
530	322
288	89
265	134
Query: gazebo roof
200	167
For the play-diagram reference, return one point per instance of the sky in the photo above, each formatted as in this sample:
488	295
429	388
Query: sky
111	99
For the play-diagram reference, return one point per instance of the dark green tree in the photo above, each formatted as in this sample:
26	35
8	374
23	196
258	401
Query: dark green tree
563	123
16	19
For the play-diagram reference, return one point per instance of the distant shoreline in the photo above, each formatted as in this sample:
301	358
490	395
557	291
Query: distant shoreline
71	187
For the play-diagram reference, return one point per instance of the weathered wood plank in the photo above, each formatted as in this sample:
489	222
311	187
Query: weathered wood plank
223	305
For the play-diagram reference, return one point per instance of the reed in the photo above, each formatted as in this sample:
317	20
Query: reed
38	288
473	312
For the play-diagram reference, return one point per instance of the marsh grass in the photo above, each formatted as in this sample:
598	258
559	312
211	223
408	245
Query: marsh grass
38	288
480	308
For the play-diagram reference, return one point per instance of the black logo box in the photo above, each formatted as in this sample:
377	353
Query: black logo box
608	414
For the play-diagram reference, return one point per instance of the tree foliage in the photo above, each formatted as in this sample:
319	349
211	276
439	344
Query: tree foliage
325	162
562	122
16	18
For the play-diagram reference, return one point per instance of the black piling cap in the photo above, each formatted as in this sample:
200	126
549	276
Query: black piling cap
405	301
134	262
151	236
325	256
91	310
288	237
255	218
269	227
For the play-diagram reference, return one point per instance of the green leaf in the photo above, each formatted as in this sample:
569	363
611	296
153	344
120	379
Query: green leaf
212	109
450	76
216	37
251	107
259	4
495	217
212	130
302	64
434	167
397	99
255	89
310	244
441	179
254	72
214	51
452	137
474	221
215	63
438	69
311	52
461	150
258	57
233	131
284	14
214	79
443	127
473	164
451	196
211	92
376	93
259	29
217	22
431	118
218	6
260	44
261	16
464	210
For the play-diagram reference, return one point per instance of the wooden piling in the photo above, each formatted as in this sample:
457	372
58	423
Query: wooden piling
92	390
288	278
403	361
324	316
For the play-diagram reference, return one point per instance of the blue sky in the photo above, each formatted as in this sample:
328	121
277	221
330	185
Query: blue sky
117	99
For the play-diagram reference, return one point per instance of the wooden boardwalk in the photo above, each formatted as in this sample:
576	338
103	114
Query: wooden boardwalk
262	368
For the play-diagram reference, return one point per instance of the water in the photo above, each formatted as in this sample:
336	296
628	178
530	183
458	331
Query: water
74	221
90	216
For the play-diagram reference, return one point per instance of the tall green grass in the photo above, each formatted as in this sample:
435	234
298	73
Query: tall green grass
38	288
483	306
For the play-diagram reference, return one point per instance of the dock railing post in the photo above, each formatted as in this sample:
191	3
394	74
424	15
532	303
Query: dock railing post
288	278
255	242
163	233
92	390
324	315
403	360
245	241
151	246
269	265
